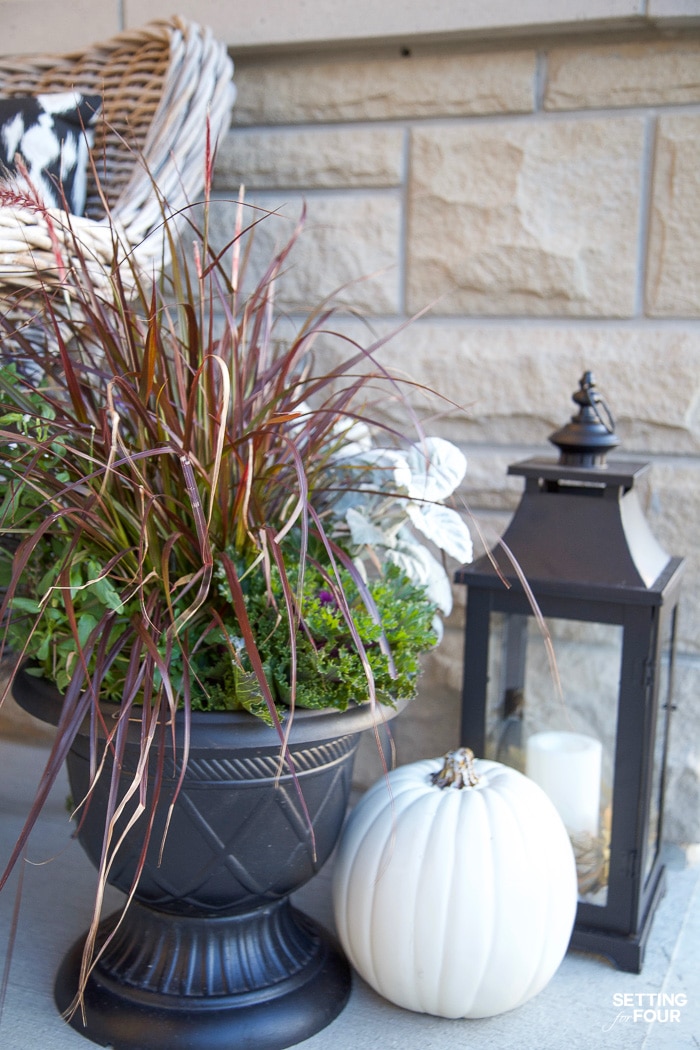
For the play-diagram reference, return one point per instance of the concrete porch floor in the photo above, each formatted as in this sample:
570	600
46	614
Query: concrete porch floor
576	1010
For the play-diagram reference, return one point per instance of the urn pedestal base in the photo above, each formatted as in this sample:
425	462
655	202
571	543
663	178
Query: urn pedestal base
268	978
210	953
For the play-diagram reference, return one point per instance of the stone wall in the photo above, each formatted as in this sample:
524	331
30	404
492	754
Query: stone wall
539	206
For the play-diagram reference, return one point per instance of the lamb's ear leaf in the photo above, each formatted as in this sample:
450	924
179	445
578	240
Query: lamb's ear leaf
445	527
437	468
364	532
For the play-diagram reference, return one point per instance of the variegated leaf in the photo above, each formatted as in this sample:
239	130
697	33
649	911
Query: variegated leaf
445	527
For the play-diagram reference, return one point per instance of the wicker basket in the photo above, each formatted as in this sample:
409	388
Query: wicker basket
159	85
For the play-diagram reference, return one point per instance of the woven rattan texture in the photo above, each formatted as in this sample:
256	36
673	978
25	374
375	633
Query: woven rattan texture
160	86
129	73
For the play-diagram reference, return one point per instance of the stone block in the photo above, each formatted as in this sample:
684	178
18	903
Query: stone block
318	24
682	810
525	218
489	493
383	86
672	508
349	246
310	159
442	666
35	26
665	72
673	275
510	384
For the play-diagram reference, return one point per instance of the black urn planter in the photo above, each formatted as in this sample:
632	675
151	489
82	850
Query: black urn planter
211	953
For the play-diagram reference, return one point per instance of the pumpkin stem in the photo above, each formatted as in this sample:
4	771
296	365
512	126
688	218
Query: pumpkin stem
458	770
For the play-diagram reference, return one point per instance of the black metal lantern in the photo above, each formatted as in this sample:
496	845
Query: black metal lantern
568	669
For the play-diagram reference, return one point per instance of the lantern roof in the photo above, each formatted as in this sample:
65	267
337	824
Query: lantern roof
579	523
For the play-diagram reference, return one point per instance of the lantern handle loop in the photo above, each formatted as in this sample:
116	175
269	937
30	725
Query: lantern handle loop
600	407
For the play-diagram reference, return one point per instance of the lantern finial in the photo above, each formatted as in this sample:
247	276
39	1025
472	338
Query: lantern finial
590	435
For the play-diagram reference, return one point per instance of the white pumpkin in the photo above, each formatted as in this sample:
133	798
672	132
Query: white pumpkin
455	900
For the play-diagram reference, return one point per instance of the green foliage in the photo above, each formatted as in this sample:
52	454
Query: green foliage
195	515
148	441
333	668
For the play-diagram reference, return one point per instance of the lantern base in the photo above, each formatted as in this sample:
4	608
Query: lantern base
626	951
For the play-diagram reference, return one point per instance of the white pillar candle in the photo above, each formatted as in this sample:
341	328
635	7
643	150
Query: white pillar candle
567	767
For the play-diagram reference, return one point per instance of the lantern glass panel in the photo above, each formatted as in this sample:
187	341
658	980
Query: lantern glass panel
570	687
660	743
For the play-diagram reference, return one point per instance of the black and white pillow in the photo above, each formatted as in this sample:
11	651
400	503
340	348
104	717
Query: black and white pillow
52	134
